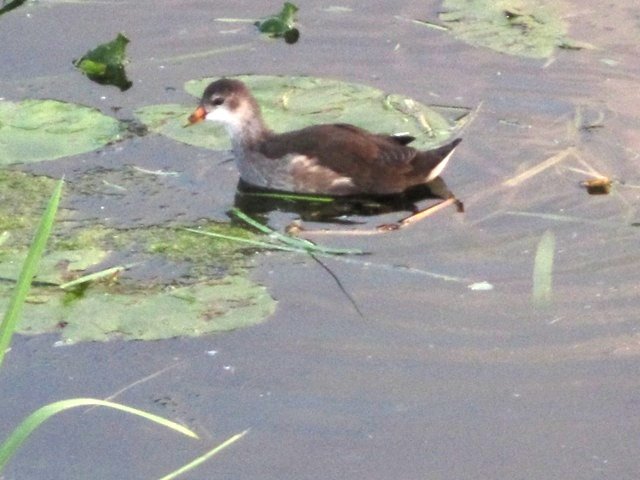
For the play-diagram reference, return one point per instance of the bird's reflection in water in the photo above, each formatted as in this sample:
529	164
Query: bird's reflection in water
316	208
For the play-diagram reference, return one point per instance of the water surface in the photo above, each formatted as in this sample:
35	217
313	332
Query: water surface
434	380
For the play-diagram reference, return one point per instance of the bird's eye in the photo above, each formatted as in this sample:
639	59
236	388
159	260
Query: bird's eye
217	101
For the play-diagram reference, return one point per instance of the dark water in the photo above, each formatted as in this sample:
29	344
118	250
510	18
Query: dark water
438	380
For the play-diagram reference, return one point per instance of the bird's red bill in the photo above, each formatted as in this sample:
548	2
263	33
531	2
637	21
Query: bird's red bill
198	115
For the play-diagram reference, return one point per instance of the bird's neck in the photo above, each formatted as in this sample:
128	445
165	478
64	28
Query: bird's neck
248	133
247	128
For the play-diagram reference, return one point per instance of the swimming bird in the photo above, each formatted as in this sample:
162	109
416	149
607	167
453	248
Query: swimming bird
329	159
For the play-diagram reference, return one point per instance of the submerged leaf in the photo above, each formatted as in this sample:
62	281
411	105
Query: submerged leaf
289	103
543	270
516	27
105	63
35	130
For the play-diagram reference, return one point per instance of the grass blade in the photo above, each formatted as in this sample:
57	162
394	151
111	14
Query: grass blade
33	421
295	197
294	242
253	243
300	244
92	277
12	315
203	458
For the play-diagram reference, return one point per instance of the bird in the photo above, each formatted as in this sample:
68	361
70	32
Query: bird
326	159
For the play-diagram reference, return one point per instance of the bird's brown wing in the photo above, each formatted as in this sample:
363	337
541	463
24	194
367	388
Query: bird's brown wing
354	160
345	149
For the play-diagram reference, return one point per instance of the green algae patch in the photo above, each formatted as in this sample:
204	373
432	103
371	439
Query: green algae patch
180	244
22	197
290	103
36	130
526	28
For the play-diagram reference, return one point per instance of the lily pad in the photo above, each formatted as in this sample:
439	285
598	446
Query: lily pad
35	130
103	311
526	28
123	277
101	315
290	103
109	309
105	63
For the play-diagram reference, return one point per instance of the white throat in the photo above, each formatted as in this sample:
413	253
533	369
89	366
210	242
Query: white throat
243	125
232	122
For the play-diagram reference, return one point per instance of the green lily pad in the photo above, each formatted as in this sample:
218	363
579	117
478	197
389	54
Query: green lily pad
35	130
102	311
107	300
107	309
105	63
290	103
517	27
282	24
101	315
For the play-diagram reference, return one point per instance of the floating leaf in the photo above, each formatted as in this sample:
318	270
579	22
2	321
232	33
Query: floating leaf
516	27
105	63
282	24
35	130
96	304
102	313
100	309
92	68
290	103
